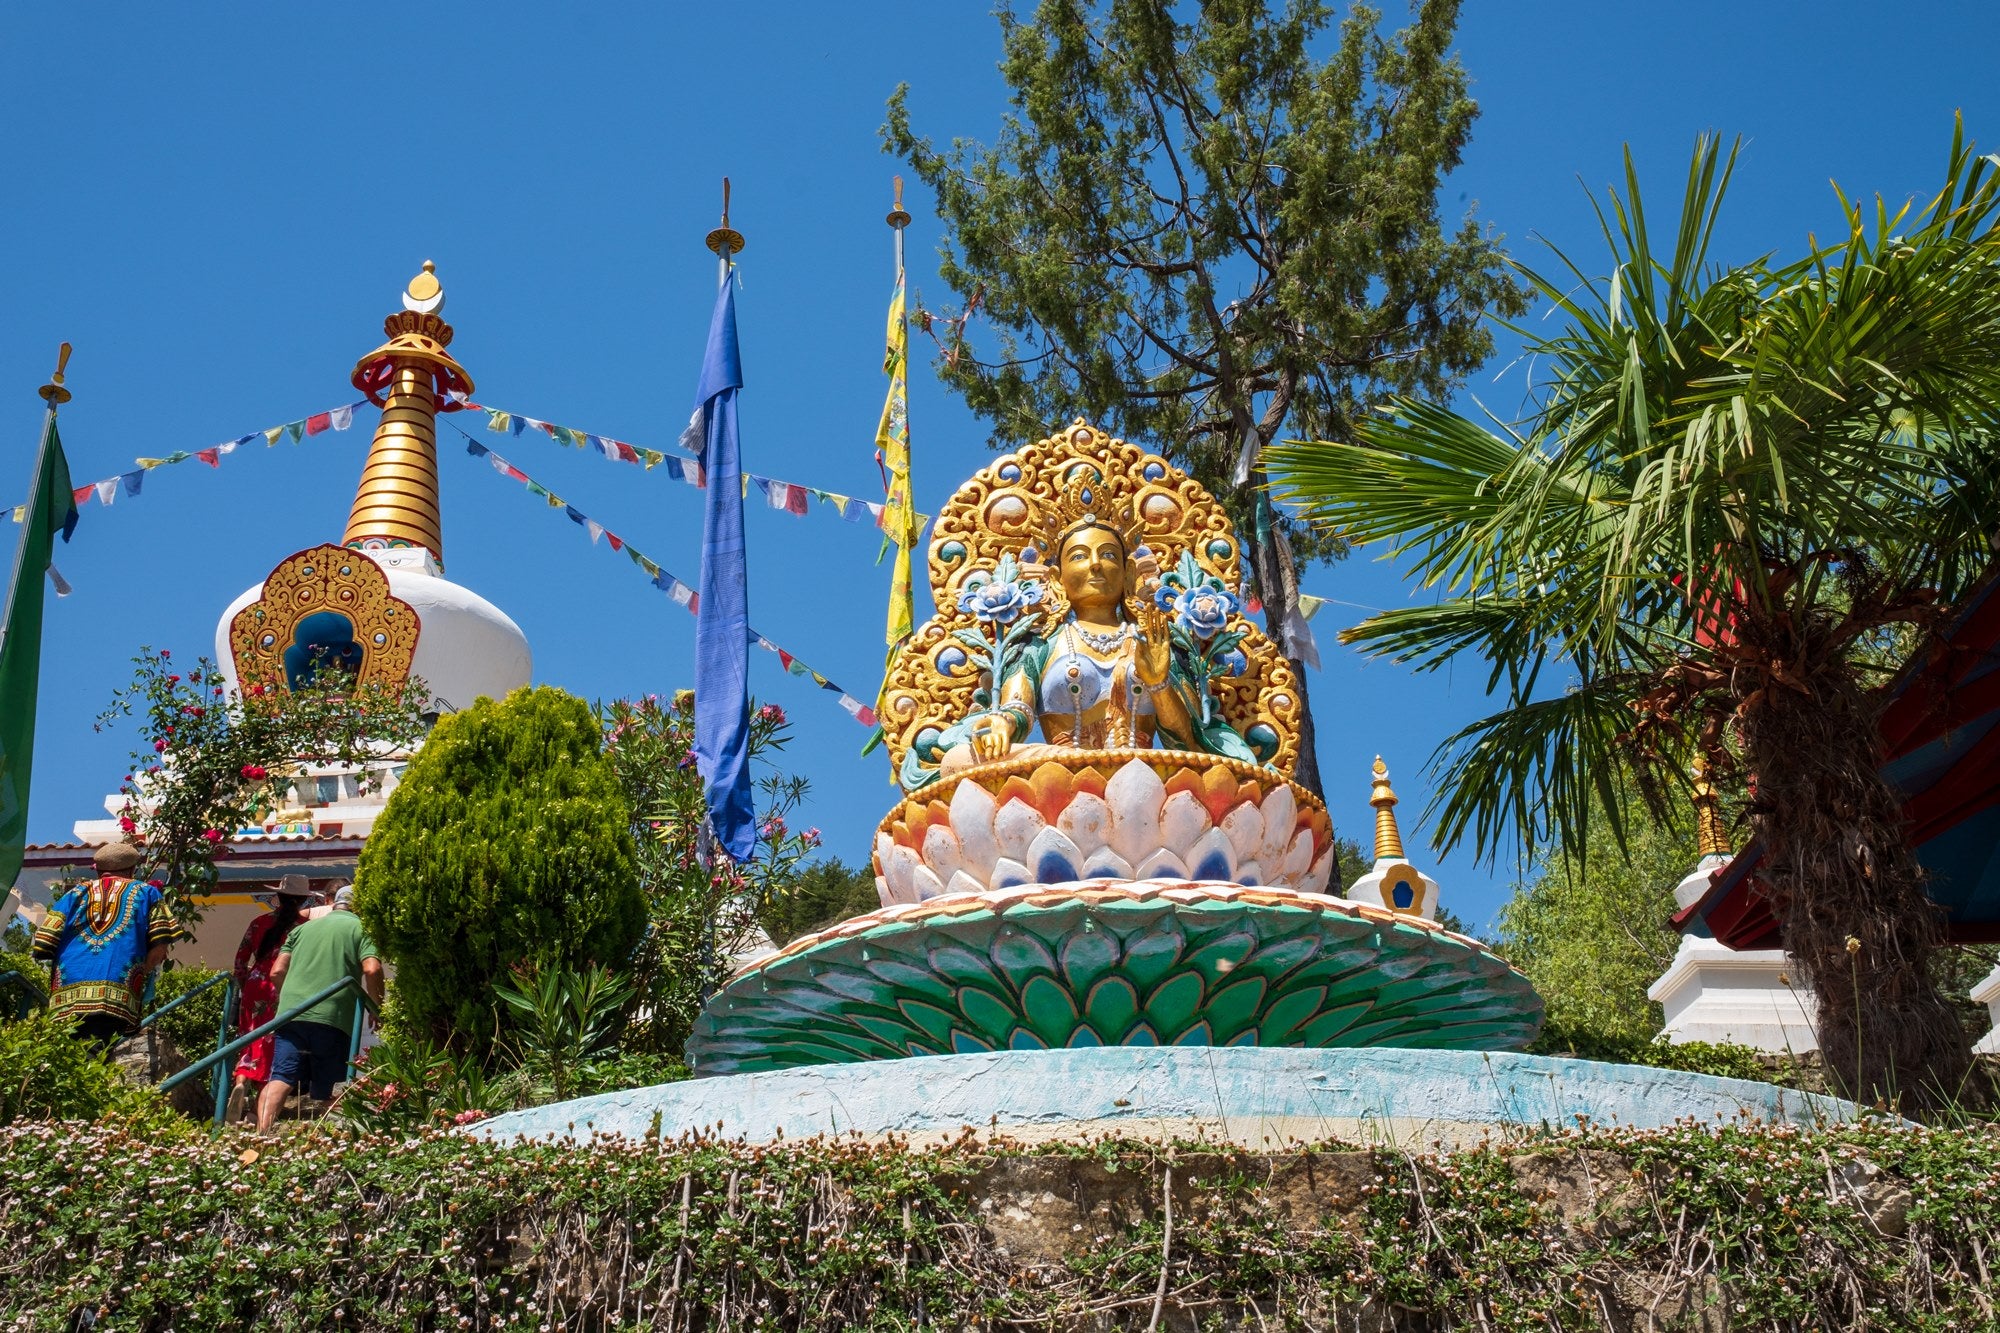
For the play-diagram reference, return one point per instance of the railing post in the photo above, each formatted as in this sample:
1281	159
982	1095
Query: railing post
354	1037
208	1062
219	1086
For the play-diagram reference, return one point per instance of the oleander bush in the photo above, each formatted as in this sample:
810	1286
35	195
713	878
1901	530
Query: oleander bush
1877	1225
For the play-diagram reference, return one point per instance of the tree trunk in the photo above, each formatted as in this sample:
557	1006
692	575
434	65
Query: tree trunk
1277	587
1845	882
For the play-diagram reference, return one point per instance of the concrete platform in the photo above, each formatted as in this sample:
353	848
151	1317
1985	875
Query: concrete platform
1252	1097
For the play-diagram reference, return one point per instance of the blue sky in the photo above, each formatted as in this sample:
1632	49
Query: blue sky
218	204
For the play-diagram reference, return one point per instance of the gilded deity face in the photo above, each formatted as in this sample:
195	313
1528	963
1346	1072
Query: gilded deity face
1092	569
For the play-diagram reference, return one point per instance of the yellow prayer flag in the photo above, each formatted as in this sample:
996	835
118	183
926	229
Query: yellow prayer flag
892	447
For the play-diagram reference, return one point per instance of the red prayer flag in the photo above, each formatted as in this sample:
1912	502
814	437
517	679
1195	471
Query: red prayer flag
866	717
617	542
319	421
212	457
795	499
81	495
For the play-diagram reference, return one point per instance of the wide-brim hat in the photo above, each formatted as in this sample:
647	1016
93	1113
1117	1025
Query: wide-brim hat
115	858
294	886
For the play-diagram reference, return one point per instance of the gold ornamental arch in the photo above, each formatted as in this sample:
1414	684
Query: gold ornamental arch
1006	506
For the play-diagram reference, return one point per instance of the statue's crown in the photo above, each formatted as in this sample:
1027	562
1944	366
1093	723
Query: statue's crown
1084	502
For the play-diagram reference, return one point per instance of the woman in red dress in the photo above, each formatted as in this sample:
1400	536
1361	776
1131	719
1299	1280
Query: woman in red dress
258	997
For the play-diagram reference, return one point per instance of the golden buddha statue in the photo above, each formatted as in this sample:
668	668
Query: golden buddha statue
1094	599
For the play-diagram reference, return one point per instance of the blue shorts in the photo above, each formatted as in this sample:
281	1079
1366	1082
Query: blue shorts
311	1056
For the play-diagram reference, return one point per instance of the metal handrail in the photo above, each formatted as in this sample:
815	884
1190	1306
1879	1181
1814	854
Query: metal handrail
180	1000
31	998
220	1054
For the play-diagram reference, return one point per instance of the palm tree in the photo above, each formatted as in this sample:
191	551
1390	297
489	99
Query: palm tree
1740	499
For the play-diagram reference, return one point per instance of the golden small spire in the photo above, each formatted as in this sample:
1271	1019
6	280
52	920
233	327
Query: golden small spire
411	378
1388	839
1711	838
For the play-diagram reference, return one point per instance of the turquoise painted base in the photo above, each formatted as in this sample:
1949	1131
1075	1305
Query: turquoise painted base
1113	963
1254	1097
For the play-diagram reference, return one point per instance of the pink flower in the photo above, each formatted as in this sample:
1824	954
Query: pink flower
166	656
468	1117
811	836
253	772
172	680
772	713
159	747
212	834
125	823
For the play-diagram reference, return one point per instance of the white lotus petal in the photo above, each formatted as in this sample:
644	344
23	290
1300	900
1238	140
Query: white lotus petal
1106	864
1086	822
1135	794
972	809
900	869
964	883
1281	819
1321	873
1007	873
1183	820
927	884
1212	857
1298	860
1162	864
1015	827
1249	872
1244	827
941	852
1053	859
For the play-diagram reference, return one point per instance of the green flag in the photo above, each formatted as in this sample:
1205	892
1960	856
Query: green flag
50	508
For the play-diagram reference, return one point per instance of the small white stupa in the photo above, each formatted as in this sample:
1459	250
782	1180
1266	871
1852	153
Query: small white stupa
1712	992
1392	882
1987	992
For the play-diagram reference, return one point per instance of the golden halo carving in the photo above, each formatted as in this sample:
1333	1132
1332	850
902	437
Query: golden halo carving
1012	503
325	578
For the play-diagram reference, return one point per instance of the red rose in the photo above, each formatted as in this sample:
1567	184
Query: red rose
159	747
126	824
213	834
253	772
172	680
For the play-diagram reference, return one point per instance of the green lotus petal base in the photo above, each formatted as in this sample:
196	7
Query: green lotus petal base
1113	963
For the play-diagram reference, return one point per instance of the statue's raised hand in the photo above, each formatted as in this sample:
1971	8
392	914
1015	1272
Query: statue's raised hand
992	736
1154	651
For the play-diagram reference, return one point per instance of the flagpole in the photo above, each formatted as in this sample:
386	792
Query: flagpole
54	394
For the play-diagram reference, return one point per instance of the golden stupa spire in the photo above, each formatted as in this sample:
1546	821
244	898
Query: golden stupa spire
411	378
1388	839
1711	838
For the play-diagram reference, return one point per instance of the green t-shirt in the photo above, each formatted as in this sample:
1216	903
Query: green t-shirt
322	952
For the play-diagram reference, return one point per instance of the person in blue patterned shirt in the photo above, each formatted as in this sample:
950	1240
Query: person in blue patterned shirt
105	938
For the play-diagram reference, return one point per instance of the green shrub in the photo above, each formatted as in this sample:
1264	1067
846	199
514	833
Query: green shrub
47	1074
30	981
1723	1059
193	1026
508	840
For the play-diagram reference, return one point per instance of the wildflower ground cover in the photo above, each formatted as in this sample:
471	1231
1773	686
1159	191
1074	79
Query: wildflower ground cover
1871	1226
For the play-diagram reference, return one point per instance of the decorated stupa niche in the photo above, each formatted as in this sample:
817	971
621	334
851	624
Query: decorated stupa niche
1100	842
1392	881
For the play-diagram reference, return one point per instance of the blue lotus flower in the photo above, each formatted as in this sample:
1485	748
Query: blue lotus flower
998	598
1202	612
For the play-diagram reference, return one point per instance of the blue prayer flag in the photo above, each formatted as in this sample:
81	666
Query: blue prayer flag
722	620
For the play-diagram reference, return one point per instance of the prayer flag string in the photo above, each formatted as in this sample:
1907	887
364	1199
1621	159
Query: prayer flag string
681	593
129	483
786	496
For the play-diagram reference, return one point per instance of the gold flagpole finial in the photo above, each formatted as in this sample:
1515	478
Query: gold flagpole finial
53	392
897	217
725	240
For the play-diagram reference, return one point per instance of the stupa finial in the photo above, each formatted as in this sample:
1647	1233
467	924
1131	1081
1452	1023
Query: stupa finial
1711	837
1388	839
411	378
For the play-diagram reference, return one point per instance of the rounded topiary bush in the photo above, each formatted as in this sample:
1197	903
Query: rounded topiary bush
508	841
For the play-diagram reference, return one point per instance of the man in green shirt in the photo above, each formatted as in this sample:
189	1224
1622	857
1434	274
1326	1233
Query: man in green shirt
312	1049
